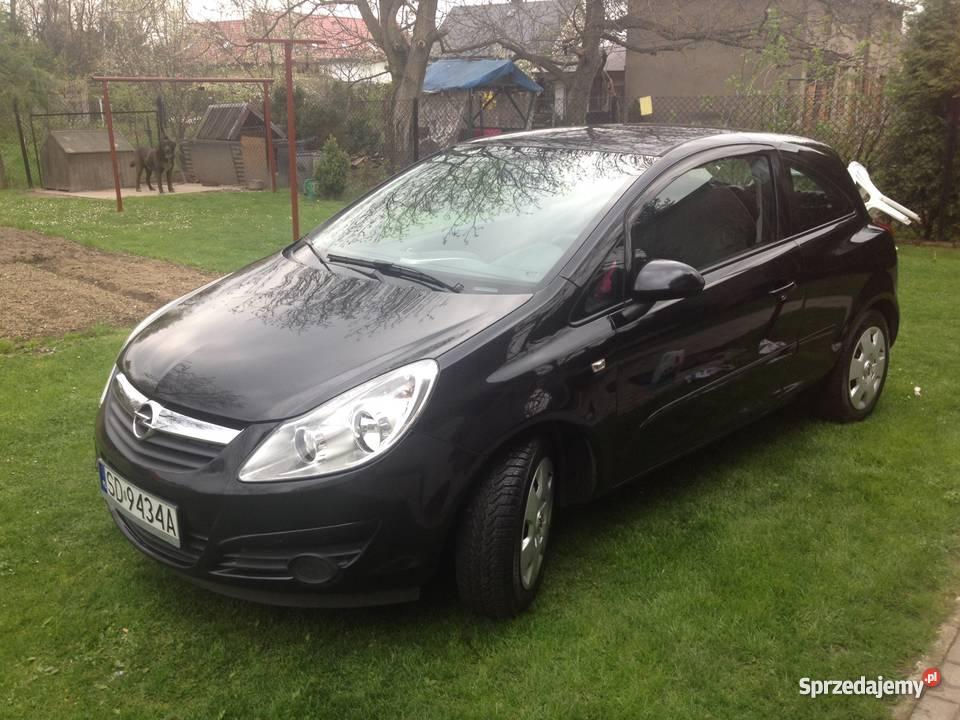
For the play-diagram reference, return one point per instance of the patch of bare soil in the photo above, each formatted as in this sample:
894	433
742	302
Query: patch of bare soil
51	286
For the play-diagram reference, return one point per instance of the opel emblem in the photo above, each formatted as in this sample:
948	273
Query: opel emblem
143	420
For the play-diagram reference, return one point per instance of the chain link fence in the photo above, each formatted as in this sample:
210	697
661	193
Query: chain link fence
397	134
382	136
138	127
858	127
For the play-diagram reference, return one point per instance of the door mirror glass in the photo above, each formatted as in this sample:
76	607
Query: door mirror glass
666	280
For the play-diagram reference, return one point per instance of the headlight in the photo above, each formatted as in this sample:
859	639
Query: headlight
103	395
349	430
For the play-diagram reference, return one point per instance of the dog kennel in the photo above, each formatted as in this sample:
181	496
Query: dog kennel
229	147
79	159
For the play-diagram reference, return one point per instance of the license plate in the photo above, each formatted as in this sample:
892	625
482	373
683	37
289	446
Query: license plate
154	515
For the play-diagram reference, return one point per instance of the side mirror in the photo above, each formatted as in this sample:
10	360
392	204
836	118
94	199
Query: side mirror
666	280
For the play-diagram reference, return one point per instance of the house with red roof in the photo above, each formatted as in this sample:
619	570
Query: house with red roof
345	50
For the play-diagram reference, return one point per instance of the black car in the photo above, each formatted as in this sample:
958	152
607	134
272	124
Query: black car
515	324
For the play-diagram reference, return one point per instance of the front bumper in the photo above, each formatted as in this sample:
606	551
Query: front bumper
368	536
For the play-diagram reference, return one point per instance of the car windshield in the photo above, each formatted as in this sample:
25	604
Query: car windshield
487	217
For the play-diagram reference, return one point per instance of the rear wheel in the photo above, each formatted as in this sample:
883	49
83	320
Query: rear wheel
502	541
852	390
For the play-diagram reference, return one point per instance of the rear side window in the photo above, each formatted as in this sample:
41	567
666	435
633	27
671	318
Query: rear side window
713	212
813	200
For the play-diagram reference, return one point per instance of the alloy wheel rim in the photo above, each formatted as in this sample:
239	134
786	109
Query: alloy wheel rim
537	515
867	367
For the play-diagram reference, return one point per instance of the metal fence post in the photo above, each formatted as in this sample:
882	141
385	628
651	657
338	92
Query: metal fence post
36	151
23	144
415	128
950	152
161	118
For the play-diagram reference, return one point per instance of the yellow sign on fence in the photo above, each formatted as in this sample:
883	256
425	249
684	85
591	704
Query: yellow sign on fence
646	105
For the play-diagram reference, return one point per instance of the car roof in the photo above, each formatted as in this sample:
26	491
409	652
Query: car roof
642	139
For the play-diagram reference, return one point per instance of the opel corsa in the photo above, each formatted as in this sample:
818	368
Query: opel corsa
513	325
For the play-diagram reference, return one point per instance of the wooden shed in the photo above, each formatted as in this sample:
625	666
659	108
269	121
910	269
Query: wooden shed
229	147
75	160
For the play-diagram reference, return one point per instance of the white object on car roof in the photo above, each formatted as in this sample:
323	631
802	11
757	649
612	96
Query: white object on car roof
876	200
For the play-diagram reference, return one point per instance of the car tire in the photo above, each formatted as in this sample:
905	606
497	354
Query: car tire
851	391
502	539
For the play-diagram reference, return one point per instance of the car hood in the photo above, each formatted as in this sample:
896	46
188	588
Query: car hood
278	338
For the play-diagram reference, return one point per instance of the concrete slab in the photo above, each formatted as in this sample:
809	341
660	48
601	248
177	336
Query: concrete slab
943	702
931	708
179	188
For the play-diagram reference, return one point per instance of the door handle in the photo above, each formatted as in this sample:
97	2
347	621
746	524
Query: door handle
781	292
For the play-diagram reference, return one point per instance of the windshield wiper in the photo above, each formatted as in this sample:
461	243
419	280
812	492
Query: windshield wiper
344	260
317	253
409	273
401	271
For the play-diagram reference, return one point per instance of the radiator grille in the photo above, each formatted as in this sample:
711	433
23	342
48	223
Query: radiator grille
160	451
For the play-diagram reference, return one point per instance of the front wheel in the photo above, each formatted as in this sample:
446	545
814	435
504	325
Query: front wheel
502	540
852	390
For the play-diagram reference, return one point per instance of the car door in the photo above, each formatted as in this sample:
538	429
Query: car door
693	368
823	220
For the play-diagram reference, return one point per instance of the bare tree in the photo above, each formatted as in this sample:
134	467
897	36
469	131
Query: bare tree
406	34
561	38
73	30
569	40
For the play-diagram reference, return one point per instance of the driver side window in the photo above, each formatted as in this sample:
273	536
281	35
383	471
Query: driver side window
710	213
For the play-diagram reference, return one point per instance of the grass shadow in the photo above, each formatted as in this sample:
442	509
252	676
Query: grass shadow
590	523
684	475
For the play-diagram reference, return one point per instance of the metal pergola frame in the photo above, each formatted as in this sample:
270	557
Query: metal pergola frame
288	44
105	80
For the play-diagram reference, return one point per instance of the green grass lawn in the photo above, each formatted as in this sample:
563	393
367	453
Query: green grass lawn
217	231
793	548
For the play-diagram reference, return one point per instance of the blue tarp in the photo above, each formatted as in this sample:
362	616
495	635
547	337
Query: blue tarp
461	74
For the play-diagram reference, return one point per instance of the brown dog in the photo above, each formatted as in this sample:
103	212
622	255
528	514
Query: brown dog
157	160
